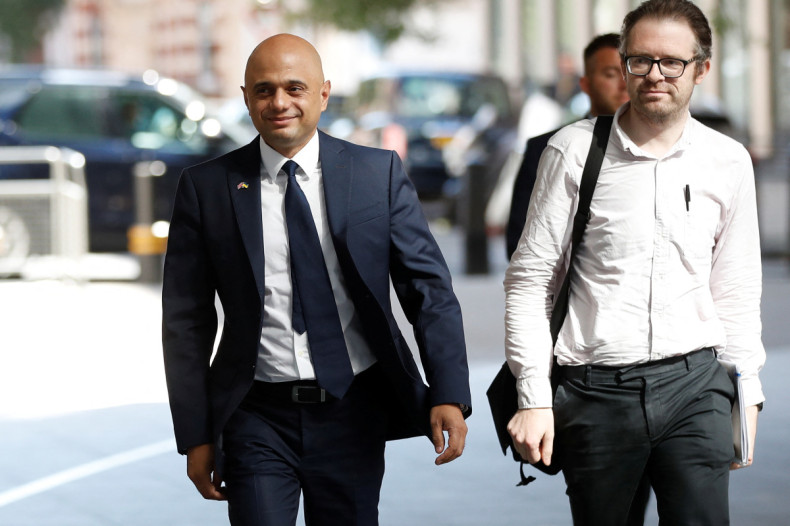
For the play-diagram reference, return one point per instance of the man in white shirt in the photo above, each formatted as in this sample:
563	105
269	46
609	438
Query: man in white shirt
667	277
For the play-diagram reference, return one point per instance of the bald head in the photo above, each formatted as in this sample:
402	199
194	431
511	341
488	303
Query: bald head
285	91
289	49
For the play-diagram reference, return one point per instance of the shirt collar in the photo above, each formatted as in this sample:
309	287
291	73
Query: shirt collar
306	158
628	145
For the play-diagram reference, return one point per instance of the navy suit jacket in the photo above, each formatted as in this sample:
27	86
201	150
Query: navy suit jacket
379	233
522	190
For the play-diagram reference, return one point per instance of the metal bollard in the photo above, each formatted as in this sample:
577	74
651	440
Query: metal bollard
146	239
476	249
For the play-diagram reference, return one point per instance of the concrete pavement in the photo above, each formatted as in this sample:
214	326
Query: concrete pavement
85	436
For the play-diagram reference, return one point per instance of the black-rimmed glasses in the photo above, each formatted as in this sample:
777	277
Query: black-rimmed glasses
670	68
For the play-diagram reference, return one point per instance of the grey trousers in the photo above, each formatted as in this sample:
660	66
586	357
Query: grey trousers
668	419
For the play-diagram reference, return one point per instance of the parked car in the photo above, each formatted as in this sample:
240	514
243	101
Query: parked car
115	120
417	113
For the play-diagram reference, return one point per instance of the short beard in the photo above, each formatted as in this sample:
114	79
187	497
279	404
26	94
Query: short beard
659	116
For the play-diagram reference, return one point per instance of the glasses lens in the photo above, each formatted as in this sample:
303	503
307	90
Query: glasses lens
671	67
639	65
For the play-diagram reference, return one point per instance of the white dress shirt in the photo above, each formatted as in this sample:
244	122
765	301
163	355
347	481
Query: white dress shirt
283	354
656	276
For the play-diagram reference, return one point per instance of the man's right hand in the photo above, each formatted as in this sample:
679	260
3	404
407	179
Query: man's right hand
532	431
200	469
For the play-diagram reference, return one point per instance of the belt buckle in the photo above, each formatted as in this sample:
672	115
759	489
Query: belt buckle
298	390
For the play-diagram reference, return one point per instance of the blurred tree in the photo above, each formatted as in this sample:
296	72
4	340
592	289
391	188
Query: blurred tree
382	18
23	23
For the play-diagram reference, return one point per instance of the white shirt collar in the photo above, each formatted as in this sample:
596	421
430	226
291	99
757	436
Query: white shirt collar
628	145
306	158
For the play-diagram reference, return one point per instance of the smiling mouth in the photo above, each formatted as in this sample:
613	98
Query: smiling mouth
281	118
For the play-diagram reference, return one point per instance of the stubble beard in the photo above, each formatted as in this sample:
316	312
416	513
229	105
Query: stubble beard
661	113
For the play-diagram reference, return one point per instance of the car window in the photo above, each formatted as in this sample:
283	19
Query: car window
429	97
486	91
13	92
426	97
63	112
150	122
145	119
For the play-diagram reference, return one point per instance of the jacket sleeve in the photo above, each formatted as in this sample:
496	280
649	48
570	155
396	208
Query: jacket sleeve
189	320
422	282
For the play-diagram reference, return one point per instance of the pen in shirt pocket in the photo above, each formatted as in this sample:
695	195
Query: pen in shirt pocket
687	195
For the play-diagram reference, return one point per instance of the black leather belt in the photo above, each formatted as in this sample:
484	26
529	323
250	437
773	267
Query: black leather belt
299	392
609	374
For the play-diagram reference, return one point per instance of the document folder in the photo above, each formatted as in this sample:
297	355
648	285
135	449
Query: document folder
740	434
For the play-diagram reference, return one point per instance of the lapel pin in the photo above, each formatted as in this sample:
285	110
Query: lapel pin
242	185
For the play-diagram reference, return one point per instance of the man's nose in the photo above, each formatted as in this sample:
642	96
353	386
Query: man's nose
280	99
654	73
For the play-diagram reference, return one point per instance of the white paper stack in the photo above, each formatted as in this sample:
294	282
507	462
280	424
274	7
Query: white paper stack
740	435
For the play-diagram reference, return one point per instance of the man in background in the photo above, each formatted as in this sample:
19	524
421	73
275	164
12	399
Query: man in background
604	84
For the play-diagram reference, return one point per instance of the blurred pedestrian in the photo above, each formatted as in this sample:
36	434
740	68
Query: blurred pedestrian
299	234
604	85
667	278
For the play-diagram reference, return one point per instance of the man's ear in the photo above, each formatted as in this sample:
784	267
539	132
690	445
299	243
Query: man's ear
246	102
701	70
326	87
584	84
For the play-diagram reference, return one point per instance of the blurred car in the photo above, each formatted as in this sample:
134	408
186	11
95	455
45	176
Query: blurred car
115	120
417	114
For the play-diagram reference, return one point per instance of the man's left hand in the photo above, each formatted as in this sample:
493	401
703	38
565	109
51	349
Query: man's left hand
448	417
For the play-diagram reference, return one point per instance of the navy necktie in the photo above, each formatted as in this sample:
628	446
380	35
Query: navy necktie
314	307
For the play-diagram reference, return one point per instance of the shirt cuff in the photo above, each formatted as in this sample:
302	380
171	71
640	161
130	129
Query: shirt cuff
752	391
534	392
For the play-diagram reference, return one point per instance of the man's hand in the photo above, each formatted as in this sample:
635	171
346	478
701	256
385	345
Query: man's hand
448	417
532	431
751	426
200	468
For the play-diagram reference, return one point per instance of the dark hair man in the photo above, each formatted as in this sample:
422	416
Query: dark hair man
603	83
667	278
299	234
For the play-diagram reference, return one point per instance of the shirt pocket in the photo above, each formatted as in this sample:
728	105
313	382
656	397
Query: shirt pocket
698	238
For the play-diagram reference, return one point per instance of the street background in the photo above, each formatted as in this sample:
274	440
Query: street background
86	438
85	431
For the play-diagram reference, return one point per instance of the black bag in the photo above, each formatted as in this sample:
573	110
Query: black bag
502	395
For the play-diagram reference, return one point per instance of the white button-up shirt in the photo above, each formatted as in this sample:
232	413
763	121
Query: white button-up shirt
669	263
284	354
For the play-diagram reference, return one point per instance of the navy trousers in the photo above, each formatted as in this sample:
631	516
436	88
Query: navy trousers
668	420
333	452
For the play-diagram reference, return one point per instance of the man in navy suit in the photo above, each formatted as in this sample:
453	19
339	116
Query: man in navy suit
266	417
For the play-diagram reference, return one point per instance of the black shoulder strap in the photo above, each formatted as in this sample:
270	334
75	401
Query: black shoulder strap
592	166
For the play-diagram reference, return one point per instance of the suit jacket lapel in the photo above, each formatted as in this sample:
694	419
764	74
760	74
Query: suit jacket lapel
244	184
337	171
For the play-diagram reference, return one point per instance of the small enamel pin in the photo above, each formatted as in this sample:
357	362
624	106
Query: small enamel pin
242	185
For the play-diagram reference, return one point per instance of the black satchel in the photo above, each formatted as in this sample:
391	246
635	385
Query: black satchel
502	395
